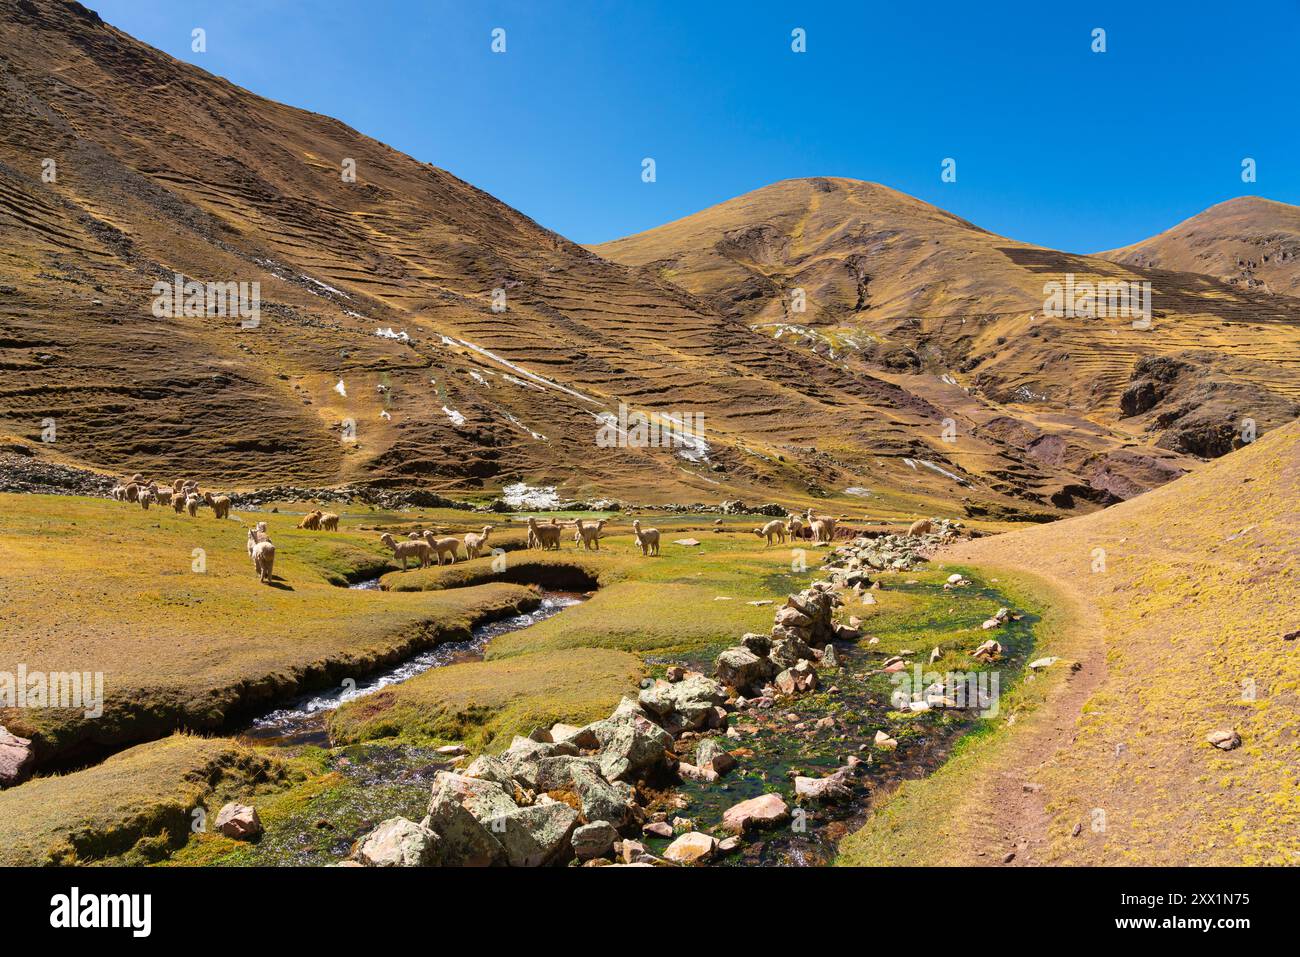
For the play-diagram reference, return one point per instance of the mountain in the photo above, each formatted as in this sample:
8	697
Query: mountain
1249	242
413	331
929	301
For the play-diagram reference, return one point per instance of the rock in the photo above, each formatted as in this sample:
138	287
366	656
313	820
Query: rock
793	618
728	845
15	758
987	651
788	652
740	668
631	851
239	821
536	835
767	810
954	578
593	840
935	655
398	842
712	754
637	745
760	645
692	848
1224	740
658	829
464	840
802	677
489	768
690	772
830	657
451	750
830	789
583	738
601	800
990	624
688	542
884	742
1043	663
483	799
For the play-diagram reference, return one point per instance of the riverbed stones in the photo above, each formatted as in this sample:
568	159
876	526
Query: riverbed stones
798	679
689	772
593	840
712	754
636	745
831	789
987	651
694	847
15	758
741	669
884	742
465	840
398	842
766	810
239	821
536	835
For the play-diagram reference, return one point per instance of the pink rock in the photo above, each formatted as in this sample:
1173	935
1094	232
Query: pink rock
15	759
767	810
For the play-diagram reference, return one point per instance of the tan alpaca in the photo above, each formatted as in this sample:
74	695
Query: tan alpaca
443	546
163	496
311	520
405	550
545	537
329	522
192	503
132	492
145	498
647	538
921	526
178	503
589	535
773	530
475	542
263	561
822	530
794	527
178	484
220	504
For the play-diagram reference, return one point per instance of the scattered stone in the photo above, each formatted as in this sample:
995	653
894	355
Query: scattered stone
239	821
658	829
1043	663
536	835
802	677
1008	857
398	842
935	655
689	542
830	789
884	742
767	810
741	668
692	848
988	651
712	754
1224	740
690	772
454	750
830	658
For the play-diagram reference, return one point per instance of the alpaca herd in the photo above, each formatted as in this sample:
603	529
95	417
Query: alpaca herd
822	528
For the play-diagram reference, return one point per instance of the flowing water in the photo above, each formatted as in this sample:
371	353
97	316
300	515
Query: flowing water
303	721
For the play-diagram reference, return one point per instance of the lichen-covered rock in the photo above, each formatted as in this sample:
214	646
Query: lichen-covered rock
740	668
593	840
398	842
830	789
536	835
797	680
637	745
693	847
711	753
464	840
788	652
15	758
601	800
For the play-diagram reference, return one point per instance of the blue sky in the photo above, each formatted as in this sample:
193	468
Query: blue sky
1054	144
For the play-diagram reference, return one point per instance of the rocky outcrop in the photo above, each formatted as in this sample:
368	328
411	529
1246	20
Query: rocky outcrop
851	563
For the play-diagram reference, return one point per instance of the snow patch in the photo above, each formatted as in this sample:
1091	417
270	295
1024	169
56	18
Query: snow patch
527	497
456	417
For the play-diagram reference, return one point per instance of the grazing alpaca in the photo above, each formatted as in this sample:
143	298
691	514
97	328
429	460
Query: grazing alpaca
921	526
589	535
543	536
772	530
329	522
131	492
192	503
443	546
311	520
404	550
220	504
263	561
178	503
475	542
257	534
647	538
119	493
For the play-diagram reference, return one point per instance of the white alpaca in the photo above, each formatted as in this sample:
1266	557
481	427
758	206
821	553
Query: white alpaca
443	546
145	498
475	542
794	527
163	496
263	561
589	535
647	538
256	535
773	530
192	503
404	550
329	522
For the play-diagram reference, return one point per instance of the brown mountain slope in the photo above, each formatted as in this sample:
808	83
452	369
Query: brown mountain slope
938	306
161	169
1249	242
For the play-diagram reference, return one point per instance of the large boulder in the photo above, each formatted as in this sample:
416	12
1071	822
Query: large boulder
537	835
489	768
15	758
637	745
740	668
398	842
601	800
593	840
484	799
788	652
766	810
465	840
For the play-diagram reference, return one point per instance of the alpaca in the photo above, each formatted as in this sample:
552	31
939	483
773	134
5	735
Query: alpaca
178	484
192	503
178	503
220	504
263	561
589	535
648	538
443	546
252	541
544	536
329	522
404	550
256	535
822	530
163	496
118	494
794	527
475	542
921	526
772	530
144	497
311	520
131	492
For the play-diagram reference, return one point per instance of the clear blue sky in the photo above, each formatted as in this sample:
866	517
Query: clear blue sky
1054	144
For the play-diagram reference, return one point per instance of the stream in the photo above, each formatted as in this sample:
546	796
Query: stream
302	721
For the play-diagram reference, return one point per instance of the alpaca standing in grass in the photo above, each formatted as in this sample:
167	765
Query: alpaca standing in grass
772	530
329	522
405	550
178	503
475	542
192	503
257	534
647	538
220	504
543	536
922	526
443	546
589	535
311	520
263	560
162	496
794	527
827	526
145	498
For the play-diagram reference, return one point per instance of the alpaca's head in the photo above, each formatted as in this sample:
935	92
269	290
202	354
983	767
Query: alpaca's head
387	540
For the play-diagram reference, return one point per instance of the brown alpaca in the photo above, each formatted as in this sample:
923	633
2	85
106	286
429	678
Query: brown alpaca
404	550
311	520
220	504
543	536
